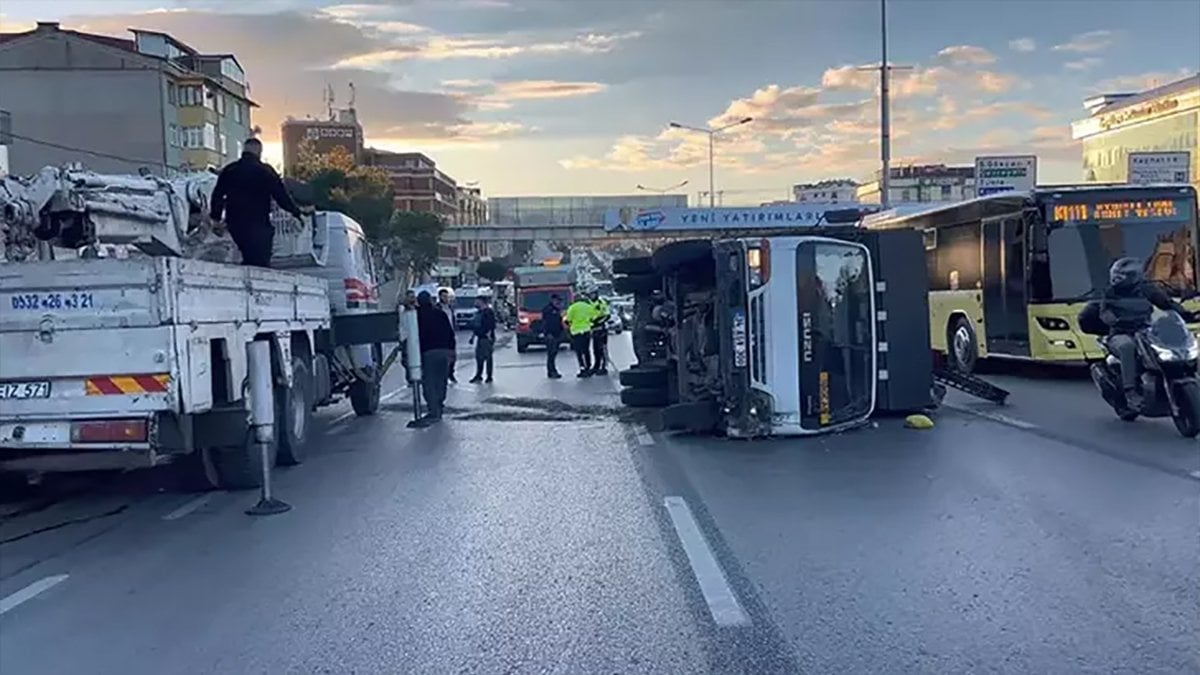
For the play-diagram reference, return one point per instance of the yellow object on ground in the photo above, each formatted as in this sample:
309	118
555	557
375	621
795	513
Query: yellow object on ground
918	422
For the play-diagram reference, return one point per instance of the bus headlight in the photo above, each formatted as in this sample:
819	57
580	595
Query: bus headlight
1053	323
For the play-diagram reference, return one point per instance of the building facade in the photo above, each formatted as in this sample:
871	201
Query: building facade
472	207
342	130
921	183
568	210
1165	118
417	182
119	105
833	191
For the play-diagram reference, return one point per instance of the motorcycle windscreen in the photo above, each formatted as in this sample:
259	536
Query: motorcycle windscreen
837	341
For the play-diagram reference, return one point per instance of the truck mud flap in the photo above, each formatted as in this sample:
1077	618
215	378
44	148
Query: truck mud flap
975	386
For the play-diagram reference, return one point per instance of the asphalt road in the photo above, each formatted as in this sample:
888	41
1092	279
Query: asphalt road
541	528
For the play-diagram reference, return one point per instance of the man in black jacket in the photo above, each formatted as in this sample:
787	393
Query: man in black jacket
243	196
552	328
483	334
437	344
1126	308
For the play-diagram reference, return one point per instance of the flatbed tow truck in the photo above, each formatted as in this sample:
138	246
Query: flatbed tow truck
781	321
124	328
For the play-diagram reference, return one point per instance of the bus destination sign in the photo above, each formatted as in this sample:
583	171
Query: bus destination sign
1151	210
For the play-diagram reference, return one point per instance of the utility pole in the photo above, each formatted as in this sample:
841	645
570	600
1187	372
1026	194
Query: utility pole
885	112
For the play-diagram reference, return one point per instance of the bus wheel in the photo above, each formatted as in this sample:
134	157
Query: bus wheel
962	347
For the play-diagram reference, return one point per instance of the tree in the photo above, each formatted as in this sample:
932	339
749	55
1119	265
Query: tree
338	184
491	270
413	239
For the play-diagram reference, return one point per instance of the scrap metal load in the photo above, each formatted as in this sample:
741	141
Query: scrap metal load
72	208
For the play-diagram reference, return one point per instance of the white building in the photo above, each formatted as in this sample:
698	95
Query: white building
832	191
922	183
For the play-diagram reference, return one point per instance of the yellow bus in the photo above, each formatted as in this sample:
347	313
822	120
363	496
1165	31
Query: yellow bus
1009	272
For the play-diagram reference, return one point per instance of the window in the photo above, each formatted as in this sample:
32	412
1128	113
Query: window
210	136
956	264
946	190
173	136
193	137
220	99
222	144
172	93
210	98
191	95
237	111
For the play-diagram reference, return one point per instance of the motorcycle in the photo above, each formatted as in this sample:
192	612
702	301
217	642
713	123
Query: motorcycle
1168	355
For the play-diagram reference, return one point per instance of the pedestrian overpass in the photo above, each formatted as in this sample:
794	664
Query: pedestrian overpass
559	233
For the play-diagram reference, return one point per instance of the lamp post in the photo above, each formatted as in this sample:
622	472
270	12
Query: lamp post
661	191
712	133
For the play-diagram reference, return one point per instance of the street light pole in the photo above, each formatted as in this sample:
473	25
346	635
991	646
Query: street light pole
712	133
885	121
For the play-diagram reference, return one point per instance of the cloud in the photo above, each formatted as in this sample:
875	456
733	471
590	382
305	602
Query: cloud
1024	44
966	55
8	25
443	48
1085	43
1083	64
1141	81
489	95
286	76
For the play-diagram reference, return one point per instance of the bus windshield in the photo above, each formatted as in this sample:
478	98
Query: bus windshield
1089	231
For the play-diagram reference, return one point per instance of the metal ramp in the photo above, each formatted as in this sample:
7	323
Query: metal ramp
975	386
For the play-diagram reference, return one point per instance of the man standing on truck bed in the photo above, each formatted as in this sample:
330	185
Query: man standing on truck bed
243	196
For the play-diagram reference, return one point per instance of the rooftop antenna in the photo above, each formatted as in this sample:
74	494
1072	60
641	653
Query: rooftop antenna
353	95
329	100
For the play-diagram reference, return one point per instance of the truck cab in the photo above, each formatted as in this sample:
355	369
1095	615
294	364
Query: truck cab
534	286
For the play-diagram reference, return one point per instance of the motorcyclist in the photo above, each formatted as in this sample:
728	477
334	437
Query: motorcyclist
1125	308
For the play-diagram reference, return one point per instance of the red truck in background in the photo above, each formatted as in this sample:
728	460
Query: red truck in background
534	285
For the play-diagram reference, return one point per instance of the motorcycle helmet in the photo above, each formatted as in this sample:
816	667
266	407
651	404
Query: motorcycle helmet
1125	273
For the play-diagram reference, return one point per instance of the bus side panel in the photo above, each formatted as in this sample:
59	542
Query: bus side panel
1060	345
945	305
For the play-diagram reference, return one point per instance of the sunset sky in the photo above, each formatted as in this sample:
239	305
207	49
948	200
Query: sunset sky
566	97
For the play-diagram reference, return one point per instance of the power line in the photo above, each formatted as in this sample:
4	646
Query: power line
94	153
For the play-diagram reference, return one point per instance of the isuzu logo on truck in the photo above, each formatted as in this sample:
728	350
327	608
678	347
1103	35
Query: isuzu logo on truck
806	318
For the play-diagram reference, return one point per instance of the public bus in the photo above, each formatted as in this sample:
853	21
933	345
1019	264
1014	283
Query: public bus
1009	272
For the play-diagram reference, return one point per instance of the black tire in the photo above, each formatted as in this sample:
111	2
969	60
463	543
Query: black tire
293	414
962	345
364	395
638	265
1187	419
644	398
678	255
637	284
240	467
644	377
197	471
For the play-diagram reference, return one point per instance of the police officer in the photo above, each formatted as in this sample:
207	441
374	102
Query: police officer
579	323
243	197
599	334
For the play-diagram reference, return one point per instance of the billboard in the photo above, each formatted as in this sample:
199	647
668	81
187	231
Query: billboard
791	214
323	136
1147	168
1005	173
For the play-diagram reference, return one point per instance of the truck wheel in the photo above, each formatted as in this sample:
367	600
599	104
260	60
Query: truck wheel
962	347
364	395
1187	419
293	414
637	265
240	467
644	398
197	472
637	284
644	377
675	256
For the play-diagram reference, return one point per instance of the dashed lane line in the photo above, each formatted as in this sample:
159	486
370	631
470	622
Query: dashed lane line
722	601
11	602
188	507
995	417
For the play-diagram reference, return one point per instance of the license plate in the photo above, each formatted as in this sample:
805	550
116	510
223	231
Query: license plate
24	390
739	339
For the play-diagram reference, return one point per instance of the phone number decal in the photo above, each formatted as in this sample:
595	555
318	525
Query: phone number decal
39	301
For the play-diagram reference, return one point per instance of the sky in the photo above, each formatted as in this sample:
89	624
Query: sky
541	97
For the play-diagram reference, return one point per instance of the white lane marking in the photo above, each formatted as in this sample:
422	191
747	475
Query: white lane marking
643	436
391	394
995	417
30	592
342	418
1195	474
722	602
188	507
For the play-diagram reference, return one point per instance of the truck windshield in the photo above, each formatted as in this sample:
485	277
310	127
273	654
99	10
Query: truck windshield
833	294
536	300
1088	236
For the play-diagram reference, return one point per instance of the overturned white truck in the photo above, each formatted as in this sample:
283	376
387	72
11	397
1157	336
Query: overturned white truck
124	328
783	320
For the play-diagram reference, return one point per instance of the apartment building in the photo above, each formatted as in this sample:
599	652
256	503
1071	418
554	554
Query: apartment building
417	182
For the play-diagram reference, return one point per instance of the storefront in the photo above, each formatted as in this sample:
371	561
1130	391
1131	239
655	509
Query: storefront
1166	118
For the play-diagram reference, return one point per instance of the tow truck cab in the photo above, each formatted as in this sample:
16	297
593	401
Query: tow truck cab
782	334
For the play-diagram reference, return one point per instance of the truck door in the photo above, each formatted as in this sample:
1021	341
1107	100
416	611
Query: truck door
836	314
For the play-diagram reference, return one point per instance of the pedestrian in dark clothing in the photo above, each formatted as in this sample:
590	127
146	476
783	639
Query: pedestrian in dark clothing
437	344
1125	308
243	197
483	334
600	334
552	329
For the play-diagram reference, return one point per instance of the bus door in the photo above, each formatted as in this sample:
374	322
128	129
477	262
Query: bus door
1005	307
